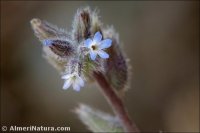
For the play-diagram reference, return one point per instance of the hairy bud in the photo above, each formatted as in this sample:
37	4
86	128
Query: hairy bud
81	25
60	47
98	121
116	67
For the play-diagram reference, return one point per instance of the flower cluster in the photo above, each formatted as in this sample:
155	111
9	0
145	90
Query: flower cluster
83	51
95	46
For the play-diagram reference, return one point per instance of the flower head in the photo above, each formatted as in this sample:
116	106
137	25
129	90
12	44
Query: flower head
73	79
97	46
68	51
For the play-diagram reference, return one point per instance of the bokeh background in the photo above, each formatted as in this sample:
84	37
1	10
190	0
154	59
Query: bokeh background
160	38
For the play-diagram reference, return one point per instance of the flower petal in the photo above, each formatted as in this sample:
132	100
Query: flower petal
76	86
47	42
88	42
103	54
67	84
66	76
97	37
105	43
93	55
80	81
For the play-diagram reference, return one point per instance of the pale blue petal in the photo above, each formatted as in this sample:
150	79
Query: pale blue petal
47	42
88	42
97	37
80	81
93	55
67	84
105	43
103	54
76	87
66	76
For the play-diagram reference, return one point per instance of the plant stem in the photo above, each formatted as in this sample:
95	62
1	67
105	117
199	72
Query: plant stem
116	103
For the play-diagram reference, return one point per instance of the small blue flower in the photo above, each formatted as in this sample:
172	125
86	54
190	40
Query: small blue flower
73	79
97	46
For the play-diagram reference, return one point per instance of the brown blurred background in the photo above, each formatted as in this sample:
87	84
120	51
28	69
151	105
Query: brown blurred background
160	38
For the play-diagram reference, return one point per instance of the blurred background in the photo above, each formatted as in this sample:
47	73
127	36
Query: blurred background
160	38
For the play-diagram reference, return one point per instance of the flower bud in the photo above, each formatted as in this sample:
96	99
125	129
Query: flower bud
116	67
81	25
60	47
44	30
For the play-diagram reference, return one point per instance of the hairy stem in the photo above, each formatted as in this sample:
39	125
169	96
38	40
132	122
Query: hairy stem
116	103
